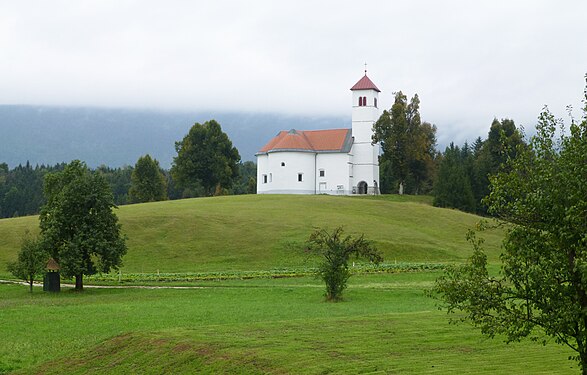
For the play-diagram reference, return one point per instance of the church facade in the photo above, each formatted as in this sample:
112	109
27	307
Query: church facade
333	161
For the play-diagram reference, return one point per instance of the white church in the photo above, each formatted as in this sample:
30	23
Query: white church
333	161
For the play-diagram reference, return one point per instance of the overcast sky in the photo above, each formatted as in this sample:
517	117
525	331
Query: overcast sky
469	61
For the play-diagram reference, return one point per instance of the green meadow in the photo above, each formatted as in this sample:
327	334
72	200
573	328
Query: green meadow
260	232
386	324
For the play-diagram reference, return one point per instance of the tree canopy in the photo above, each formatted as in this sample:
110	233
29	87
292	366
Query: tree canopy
408	147
206	160
148	183
453	183
78	225
31	261
542	196
466	170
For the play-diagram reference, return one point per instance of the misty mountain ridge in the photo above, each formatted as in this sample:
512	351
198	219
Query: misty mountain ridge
118	137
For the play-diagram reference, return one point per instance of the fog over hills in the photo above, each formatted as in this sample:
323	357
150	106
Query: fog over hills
117	137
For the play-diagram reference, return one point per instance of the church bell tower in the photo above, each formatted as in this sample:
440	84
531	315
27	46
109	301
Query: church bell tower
365	169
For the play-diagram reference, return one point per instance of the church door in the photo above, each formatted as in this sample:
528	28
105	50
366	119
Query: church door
362	186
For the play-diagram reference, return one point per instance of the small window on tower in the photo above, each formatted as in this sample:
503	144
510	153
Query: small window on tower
375	101
360	101
264	178
364	101
283	164
321	172
300	177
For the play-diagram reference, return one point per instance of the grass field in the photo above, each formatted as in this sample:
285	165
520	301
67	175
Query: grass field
264	232
385	325
263	325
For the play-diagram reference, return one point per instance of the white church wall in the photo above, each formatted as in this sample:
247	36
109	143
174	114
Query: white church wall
364	117
283	171
261	173
336	173
278	171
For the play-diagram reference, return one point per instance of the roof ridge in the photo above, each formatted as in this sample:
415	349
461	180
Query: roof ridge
308	140
365	83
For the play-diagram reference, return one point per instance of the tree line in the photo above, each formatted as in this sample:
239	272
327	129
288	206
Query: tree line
456	178
206	164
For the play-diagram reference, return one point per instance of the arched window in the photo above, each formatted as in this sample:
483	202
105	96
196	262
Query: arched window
364	101
360	101
375	101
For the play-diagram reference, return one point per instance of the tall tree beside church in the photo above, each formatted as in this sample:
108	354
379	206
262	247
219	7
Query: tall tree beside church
148	183
205	160
407	145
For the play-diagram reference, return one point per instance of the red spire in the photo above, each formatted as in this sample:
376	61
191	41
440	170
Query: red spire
365	84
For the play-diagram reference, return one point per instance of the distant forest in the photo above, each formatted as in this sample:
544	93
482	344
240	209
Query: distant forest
458	178
21	188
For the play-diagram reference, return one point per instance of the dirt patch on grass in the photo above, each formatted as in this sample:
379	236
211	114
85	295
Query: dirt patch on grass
149	353
179	348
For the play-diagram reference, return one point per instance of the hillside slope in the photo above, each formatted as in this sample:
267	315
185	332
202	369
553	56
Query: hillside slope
258	232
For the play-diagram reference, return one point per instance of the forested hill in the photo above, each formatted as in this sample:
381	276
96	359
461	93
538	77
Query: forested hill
117	137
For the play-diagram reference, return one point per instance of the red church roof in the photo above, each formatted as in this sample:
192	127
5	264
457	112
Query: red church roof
334	140
365	84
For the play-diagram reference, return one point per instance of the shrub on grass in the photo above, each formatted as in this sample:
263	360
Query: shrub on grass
336	250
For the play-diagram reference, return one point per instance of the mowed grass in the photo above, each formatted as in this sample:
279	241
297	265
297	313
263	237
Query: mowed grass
385	325
260	232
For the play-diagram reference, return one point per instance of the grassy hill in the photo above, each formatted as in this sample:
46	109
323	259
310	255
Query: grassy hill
386	323
260	232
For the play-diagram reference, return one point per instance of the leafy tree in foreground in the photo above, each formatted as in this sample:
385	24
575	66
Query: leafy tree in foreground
205	159
148	183
543	279
31	260
78	225
336	251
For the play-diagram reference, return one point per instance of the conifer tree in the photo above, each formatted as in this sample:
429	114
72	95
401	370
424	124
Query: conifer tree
148	183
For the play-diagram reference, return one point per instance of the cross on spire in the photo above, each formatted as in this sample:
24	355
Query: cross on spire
365	68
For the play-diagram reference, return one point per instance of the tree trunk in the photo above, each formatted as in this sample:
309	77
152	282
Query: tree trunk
582	355
79	285
31	283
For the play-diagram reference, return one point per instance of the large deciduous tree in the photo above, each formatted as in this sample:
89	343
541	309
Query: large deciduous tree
205	159
407	144
148	183
78	224
335	250
542	196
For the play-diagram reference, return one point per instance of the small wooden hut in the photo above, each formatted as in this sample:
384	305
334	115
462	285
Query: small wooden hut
52	279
